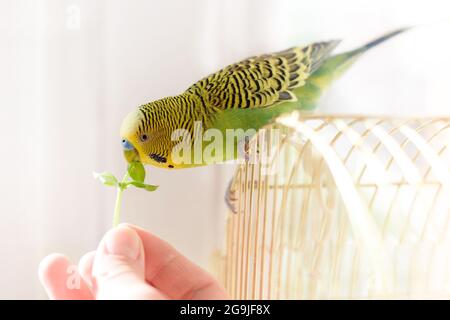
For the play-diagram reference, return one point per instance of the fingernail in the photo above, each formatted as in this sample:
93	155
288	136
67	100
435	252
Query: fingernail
123	241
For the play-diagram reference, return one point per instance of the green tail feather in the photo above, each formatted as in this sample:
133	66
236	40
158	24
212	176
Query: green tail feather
331	69
381	39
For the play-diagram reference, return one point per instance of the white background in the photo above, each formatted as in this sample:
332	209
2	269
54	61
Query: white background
71	70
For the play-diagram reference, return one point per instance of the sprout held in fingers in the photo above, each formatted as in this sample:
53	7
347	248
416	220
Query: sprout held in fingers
134	176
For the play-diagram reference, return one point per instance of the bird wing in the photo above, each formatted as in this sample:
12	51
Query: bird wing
264	80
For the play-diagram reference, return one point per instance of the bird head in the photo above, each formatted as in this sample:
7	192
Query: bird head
146	139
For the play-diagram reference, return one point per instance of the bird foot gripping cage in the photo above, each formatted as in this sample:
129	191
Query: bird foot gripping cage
352	207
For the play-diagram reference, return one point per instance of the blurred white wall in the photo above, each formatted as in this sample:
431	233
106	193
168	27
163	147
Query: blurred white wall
70	70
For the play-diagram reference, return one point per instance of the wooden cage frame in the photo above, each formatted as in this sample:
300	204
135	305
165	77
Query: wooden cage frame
343	207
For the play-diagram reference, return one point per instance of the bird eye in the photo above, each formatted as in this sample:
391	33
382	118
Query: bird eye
144	137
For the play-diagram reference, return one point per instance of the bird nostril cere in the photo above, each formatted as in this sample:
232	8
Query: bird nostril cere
127	145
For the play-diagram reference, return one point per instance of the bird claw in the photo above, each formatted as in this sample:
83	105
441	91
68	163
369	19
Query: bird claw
231	196
245	149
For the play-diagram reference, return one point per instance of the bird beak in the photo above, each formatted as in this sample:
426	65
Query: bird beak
131	155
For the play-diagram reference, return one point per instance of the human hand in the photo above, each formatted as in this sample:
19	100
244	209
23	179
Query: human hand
129	263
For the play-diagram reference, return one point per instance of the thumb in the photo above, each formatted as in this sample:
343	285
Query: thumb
119	267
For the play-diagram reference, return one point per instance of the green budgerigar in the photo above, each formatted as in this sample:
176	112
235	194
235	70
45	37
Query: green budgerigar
246	95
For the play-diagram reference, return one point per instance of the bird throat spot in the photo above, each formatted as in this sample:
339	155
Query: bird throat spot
158	158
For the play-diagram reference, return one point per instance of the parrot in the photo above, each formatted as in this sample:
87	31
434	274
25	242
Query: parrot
249	94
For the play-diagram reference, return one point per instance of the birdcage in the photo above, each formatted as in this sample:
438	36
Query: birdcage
341	207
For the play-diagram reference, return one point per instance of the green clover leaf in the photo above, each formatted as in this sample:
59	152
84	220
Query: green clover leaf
107	178
141	185
135	177
136	171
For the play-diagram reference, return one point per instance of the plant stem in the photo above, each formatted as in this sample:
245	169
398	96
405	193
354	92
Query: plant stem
116	217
